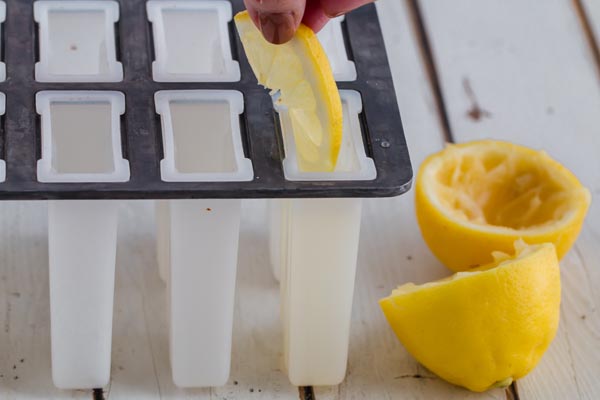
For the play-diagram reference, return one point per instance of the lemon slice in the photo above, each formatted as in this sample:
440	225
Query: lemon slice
479	197
300	71
484	328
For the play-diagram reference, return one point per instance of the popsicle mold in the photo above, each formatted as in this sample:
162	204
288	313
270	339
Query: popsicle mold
191	41
77	41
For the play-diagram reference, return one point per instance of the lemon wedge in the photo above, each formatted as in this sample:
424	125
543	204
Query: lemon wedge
478	197
300	71
483	328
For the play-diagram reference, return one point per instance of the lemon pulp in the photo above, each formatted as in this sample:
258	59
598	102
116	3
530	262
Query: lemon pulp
478	197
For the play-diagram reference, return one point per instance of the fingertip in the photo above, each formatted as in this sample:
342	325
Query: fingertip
277	28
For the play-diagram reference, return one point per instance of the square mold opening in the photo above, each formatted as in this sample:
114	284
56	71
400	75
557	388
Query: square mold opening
191	41
77	41
201	136
332	40
2	162
2	19
353	163
81	137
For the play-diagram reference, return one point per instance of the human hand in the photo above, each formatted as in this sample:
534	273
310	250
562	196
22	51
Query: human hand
279	19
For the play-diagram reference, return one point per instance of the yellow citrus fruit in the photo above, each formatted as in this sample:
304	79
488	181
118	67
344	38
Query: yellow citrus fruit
479	197
300	71
482	328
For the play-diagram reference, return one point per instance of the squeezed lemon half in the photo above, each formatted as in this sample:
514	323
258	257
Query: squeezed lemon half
479	197
483	328
300	71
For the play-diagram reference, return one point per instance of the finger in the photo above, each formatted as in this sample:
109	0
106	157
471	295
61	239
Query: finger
276	19
334	8
314	17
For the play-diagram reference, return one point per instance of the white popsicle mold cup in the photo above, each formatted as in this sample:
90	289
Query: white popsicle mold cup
2	162
191	41
314	246
77	41
2	19
81	142
198	239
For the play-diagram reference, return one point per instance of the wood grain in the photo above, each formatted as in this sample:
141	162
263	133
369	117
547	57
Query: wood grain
516	71
510	70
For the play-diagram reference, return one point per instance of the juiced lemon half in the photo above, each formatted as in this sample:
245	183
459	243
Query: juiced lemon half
483	328
478	197
300	71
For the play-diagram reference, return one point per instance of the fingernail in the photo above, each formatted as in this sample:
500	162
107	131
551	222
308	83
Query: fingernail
277	28
335	15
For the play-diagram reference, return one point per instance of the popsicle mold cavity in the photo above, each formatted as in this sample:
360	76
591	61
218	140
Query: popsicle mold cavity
352	164
2	162
191	41
332	40
201	136
77	41
2	19
81	136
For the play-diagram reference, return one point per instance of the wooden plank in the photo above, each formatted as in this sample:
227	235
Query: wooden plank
590	10
516	71
392	251
24	314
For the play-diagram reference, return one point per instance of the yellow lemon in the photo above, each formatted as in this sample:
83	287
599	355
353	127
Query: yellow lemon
479	197
300	71
486	327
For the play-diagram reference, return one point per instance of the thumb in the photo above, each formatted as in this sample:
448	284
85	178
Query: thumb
276	19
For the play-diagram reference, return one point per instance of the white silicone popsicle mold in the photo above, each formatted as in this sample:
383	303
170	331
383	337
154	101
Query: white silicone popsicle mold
352	164
332	40
85	153
81	142
2	19
77	41
2	162
201	136
313	249
81	136
82	243
191	41
198	239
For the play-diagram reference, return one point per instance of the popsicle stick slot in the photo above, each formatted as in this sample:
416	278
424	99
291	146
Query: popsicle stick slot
332	40
192	41
353	163
81	137
77	41
201	136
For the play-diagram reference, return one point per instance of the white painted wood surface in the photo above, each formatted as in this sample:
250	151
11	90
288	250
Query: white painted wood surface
536	79
531	70
591	9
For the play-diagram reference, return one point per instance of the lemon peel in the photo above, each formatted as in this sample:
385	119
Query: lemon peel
483	328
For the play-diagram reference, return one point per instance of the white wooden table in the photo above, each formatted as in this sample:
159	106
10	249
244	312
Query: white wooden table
519	70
